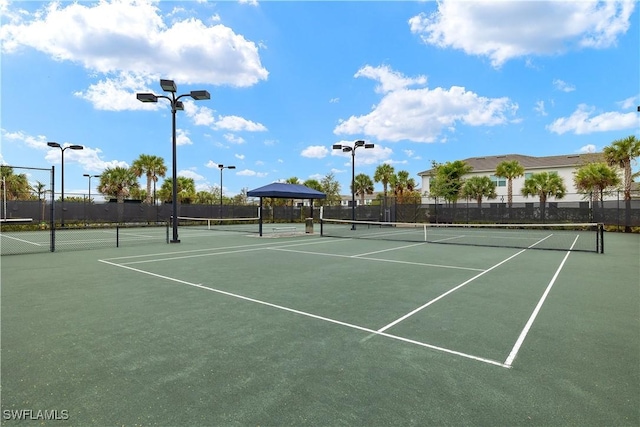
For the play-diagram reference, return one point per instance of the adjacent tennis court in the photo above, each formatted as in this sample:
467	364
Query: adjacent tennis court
230	328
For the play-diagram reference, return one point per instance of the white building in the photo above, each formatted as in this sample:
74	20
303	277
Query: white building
564	166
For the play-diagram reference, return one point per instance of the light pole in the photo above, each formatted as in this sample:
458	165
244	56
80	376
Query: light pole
73	147
176	104
90	176
222	167
352	149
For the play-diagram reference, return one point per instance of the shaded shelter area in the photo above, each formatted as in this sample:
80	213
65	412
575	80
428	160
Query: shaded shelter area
281	190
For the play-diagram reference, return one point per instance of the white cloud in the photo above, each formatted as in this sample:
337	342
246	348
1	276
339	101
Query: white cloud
582	122
236	124
563	86
233	138
113	37
539	108
315	152
88	157
248	172
201	115
422	114
239	156
249	2
589	148
182	137
334	100
369	156
629	103
389	80
188	173
503	30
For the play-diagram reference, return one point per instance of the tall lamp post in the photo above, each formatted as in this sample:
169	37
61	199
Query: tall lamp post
221	167
90	176
73	147
176	104
352	149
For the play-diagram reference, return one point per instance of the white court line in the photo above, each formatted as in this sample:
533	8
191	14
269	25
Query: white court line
314	316
387	250
21	240
377	259
525	331
191	256
395	322
190	251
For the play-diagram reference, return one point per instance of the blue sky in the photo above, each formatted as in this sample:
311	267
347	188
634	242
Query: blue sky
422	81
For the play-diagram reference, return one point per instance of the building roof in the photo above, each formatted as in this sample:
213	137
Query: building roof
489	163
286	191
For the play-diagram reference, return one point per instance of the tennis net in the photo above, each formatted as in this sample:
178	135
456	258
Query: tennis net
244	225
587	237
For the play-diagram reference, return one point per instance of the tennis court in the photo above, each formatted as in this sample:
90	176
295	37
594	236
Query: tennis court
229	328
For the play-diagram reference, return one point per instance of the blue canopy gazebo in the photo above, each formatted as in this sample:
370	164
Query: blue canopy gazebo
281	190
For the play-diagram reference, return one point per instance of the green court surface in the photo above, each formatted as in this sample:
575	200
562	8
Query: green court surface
234	329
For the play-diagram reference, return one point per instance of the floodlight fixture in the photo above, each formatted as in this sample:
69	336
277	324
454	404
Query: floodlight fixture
368	145
53	144
179	106
337	146
147	97
200	95
168	85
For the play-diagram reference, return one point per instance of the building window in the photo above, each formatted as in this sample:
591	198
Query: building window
499	181
528	175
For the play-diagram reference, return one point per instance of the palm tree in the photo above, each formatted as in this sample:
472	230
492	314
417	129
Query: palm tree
544	185
401	183
40	189
509	169
118	182
595	179
363	185
383	174
622	153
186	190
14	186
478	187
151	166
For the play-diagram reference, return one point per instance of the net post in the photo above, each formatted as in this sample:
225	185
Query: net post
118	236
52	219
167	230
601	236
321	220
